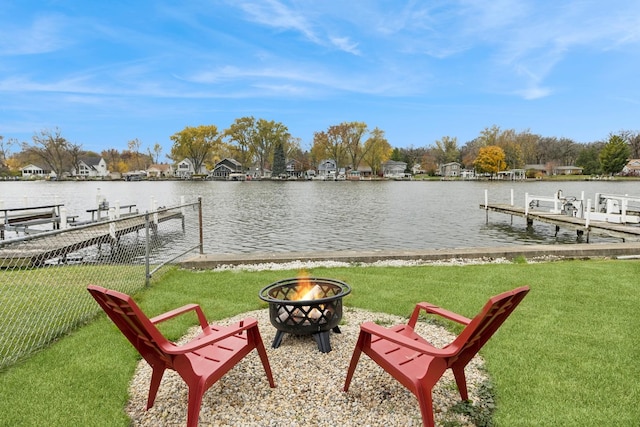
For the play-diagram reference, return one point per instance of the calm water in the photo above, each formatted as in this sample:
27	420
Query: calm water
307	216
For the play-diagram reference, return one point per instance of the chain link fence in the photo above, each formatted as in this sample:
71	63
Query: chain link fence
44	273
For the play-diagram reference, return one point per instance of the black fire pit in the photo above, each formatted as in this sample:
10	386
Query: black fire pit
305	306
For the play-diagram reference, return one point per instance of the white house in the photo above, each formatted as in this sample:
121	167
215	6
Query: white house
185	169
35	171
160	170
632	167
327	169
91	167
393	169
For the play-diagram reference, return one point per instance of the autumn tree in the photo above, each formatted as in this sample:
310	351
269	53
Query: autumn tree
489	136
470	150
446	150
112	157
302	157
241	136
614	155
134	147
52	149
196	144
378	150
527	142
491	159
429	162
355	148
513	156
330	145
268	133
154	154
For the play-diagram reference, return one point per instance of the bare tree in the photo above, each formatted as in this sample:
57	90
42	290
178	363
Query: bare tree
52	149
134	147
154	154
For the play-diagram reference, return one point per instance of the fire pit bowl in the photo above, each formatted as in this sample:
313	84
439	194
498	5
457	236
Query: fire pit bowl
305	306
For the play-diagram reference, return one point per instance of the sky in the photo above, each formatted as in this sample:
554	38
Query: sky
104	73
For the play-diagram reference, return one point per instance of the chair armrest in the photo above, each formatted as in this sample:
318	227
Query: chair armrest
389	335
181	310
212	336
434	309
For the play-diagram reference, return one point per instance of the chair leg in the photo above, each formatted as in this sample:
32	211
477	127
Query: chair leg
196	391
355	358
426	405
156	378
262	352
461	381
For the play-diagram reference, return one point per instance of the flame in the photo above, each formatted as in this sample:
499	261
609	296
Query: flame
305	289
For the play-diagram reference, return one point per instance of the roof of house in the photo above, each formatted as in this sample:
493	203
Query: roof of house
633	164
91	161
162	167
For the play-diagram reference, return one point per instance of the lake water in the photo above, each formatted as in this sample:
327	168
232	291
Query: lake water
263	216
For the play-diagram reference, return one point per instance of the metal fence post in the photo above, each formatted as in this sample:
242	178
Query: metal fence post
200	224
147	250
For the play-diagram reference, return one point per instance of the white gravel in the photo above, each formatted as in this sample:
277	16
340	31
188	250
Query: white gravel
306	265
308	385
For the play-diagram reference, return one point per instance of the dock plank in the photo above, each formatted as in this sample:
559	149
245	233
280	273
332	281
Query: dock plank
36	251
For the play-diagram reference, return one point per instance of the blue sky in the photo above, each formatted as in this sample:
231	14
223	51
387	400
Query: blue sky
106	72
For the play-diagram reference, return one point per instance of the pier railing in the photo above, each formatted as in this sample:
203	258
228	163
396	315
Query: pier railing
43	276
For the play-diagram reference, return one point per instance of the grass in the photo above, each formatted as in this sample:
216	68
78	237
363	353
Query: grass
41	304
567	356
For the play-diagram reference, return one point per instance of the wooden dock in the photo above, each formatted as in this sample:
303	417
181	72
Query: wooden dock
583	226
34	251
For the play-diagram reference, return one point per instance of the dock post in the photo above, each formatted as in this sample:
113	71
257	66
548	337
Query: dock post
112	225
587	218
117	213
154	209
512	197
63	218
486	205
183	212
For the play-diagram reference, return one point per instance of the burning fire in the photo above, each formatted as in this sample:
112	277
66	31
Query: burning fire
305	290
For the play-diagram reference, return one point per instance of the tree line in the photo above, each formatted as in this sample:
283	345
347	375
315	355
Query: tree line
268	145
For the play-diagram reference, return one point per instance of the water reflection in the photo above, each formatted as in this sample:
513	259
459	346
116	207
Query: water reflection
319	216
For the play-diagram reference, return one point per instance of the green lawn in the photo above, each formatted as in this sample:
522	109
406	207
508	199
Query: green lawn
568	356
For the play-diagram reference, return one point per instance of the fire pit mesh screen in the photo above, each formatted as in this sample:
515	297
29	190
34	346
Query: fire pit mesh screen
306	305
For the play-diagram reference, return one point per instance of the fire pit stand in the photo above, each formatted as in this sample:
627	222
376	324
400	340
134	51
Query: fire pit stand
318	313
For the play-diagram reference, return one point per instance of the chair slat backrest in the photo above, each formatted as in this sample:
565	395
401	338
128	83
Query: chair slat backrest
486	323
133	324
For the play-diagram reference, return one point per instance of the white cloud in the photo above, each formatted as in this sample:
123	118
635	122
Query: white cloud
45	34
346	45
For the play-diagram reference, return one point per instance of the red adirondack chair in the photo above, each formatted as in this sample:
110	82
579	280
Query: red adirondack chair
418	365
201	362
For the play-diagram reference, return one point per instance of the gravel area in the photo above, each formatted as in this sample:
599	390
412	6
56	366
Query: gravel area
298	265
308	385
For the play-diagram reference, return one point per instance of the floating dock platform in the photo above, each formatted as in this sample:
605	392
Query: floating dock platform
612	215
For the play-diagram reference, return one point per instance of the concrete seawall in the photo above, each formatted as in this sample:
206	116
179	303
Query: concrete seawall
586	250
